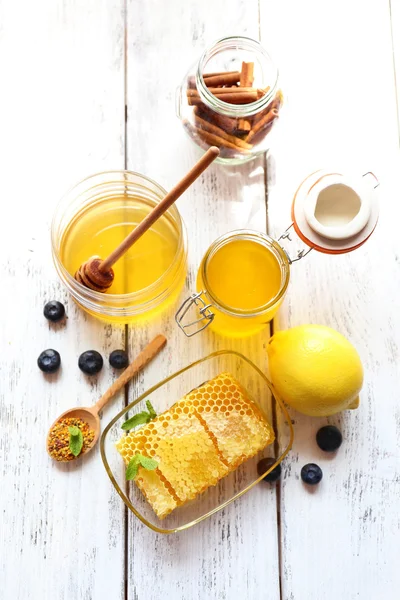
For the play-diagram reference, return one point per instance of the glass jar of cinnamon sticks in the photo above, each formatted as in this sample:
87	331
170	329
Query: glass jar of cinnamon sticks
231	98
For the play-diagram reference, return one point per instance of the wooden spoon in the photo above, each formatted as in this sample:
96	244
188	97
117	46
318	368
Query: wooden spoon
91	414
96	273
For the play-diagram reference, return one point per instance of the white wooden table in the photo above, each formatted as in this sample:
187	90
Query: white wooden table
89	86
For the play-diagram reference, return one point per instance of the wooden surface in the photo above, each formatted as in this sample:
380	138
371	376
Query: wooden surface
68	70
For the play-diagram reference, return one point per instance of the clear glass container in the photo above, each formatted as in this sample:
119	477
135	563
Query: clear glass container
205	308
117	201
162	396
241	130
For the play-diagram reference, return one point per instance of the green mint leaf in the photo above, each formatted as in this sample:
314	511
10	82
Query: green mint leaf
151	410
132	468
139	419
147	463
75	440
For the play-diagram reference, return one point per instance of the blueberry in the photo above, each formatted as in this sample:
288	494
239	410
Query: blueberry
90	362
266	463
329	438
54	311
311	474
49	361
119	359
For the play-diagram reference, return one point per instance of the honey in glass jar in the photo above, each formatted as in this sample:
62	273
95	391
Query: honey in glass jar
244	275
241	283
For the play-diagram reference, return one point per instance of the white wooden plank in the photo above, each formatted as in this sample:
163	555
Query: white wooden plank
395	25
61	119
342	540
235	553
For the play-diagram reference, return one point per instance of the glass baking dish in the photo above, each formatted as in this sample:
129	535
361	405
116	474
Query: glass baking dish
162	396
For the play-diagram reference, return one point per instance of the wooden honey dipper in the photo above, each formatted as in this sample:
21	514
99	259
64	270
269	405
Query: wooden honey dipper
96	273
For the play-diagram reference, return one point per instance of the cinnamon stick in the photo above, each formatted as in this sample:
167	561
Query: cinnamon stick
276	103
208	75
211	138
237	97
226	90
262	91
232	135
260	135
202	124
270	116
247	74
246	79
191	80
222	79
228	124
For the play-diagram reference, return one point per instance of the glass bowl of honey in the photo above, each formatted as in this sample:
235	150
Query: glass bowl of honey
93	218
210	424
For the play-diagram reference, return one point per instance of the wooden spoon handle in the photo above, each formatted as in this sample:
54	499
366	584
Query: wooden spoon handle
161	208
146	355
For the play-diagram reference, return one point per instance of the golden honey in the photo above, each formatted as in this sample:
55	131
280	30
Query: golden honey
244	276
98	230
94	219
202	438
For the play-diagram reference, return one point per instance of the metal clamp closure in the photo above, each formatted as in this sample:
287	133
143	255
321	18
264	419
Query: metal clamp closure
202	308
300	254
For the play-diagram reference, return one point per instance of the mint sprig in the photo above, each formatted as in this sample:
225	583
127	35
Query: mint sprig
151	410
75	440
141	418
139	460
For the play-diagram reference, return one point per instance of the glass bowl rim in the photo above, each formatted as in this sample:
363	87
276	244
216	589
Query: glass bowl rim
149	391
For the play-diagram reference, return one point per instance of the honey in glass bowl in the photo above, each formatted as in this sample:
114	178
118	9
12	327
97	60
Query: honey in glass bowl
93	219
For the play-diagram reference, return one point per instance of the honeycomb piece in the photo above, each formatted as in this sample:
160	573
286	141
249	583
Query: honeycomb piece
203	437
238	426
156	490
186	455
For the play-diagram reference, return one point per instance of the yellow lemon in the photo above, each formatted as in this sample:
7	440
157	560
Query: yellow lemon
315	370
